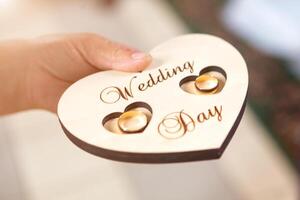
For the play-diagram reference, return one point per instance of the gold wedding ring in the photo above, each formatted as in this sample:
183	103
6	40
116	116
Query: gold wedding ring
132	121
206	83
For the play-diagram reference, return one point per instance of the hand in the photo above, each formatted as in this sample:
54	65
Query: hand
35	73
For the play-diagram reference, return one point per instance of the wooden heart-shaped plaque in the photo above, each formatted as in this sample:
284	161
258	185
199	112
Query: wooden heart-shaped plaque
184	107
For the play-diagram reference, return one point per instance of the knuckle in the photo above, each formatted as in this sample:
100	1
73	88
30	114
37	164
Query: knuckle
116	53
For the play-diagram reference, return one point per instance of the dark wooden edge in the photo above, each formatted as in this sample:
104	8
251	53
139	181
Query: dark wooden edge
157	157
233	129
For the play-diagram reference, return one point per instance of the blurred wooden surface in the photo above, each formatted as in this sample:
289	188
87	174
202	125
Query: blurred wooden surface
40	162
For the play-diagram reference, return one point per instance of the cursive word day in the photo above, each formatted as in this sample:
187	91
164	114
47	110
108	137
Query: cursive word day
177	124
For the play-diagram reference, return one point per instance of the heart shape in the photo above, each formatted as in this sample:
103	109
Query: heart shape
189	83
141	109
183	127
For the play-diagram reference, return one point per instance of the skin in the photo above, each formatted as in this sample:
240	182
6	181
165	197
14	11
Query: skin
34	73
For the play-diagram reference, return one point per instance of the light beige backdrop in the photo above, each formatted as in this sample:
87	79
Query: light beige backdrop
39	162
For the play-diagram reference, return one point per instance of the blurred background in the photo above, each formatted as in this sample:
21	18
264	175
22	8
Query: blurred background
38	162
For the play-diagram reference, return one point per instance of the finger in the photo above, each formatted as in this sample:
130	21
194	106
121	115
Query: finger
105	54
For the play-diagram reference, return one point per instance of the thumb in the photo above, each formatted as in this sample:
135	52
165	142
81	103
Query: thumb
105	54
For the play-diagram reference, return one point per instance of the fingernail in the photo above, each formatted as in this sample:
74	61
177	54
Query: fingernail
138	56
